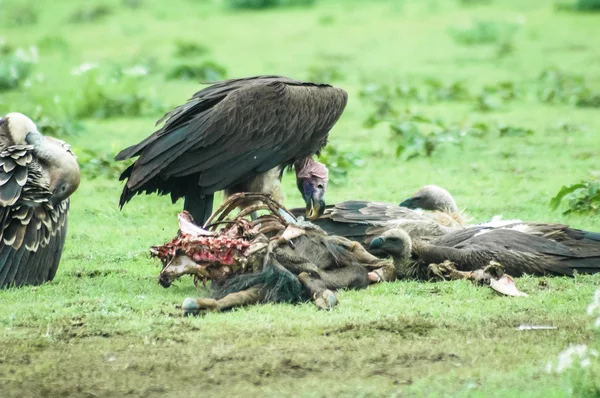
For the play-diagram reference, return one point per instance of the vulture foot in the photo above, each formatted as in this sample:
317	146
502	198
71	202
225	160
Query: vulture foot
193	306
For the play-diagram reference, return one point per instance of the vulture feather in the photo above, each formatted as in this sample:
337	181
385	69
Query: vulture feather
473	248
238	135
37	176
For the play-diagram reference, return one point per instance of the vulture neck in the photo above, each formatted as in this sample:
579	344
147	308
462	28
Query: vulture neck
308	167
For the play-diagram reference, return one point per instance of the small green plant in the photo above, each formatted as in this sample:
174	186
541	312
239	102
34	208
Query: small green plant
587	5
56	124
324	74
558	87
583	197
264	4
16	67
580	6
511	131
53	43
386	98
107	97
382	98
474	2
89	13
133	4
98	164
484	32
22	15
495	96
419	136
185	48
339	163
207	71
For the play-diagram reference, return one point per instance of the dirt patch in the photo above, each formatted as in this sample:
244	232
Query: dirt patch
393	325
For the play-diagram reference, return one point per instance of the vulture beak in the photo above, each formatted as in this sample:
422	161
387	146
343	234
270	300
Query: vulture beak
313	193
407	203
377	243
314	208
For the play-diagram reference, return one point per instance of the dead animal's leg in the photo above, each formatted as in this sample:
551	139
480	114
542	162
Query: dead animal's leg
296	264
193	306
351	276
324	298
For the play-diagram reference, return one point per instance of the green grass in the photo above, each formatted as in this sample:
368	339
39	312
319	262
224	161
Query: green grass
105	328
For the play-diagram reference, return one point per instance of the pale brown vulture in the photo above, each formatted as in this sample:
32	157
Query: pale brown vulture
474	248
37	176
238	135
362	220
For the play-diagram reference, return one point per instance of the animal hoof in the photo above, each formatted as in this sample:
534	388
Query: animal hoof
190	307
193	306
326	300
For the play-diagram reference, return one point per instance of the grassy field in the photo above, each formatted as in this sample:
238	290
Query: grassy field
105	328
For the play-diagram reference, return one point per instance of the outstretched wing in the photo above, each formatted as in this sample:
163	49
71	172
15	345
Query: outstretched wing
231	131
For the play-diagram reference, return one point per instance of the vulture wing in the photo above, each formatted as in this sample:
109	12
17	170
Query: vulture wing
32	231
231	131
522	253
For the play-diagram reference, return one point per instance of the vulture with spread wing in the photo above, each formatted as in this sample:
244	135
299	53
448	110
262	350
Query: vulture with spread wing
560	251
238	135
37	176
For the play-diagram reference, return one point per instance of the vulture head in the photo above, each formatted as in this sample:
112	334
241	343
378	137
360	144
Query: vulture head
396	242
431	197
59	163
312	178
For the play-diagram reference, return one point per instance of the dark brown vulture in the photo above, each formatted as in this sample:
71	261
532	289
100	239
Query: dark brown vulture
37	176
238	135
474	248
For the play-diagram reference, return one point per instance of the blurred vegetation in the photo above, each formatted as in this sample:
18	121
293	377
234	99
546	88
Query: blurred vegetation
484	32
339	163
16	66
22	15
262	4
583	197
207	71
90	13
96	164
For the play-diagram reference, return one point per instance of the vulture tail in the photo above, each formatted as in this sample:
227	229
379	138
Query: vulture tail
200	207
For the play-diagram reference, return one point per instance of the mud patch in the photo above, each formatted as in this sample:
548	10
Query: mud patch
404	327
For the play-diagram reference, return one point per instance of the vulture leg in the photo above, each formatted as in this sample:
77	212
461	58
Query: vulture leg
193	306
198	205
323	298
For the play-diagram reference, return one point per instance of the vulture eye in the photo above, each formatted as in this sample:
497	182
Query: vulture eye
320	186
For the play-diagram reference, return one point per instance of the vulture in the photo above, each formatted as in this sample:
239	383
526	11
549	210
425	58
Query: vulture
474	248
37	176
238	136
361	220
